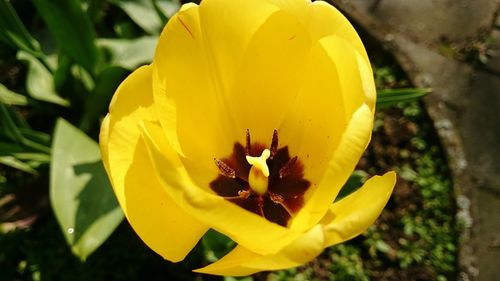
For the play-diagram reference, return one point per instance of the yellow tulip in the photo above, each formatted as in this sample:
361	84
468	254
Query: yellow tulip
249	121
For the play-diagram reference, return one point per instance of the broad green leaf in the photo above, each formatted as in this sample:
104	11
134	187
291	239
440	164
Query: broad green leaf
71	28
98	101
14	32
129	53
80	193
143	13
390	97
11	98
39	81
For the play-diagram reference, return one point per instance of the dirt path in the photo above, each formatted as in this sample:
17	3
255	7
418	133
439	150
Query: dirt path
440	43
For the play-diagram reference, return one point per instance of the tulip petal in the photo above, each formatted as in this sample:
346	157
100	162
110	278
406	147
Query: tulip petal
342	163
269	76
355	213
314	125
204	45
331	92
354	73
189	106
158	220
326	20
241	262
245	228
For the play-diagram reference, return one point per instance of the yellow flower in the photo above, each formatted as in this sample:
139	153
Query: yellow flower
250	119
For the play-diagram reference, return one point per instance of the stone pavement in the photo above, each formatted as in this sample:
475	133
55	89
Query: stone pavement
464	105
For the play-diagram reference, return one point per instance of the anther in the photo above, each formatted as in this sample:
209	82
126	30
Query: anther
224	169
244	194
274	144
285	170
276	198
247	146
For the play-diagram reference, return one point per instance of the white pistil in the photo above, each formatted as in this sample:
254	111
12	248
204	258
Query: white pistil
259	173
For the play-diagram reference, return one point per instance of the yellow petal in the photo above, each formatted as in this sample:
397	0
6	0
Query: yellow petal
355	213
246	228
326	20
354	73
228	27
196	64
270	76
241	262
314	125
342	163
159	221
189	105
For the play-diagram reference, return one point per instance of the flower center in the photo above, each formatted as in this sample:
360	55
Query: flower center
265	181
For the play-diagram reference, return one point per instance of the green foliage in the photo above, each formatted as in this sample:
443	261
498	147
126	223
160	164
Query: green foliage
347	264
71	70
216	245
391	97
9	97
14	32
80	193
72	29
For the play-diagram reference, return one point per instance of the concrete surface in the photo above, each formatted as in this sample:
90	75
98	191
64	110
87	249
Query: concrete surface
465	106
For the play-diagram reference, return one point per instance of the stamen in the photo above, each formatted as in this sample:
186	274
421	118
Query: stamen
285	170
260	205
276	198
274	144
224	169
279	200
244	194
247	146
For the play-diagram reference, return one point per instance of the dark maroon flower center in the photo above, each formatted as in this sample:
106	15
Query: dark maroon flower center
286	184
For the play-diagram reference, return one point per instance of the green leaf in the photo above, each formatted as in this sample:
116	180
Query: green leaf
216	245
143	13
7	148
129	53
354	182
390	97
39	81
80	193
9	97
21	136
166	8
98	101
14	32
71	28
15	163
9	128
35	136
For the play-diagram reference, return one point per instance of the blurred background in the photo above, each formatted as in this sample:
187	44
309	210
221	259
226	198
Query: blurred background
61	61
